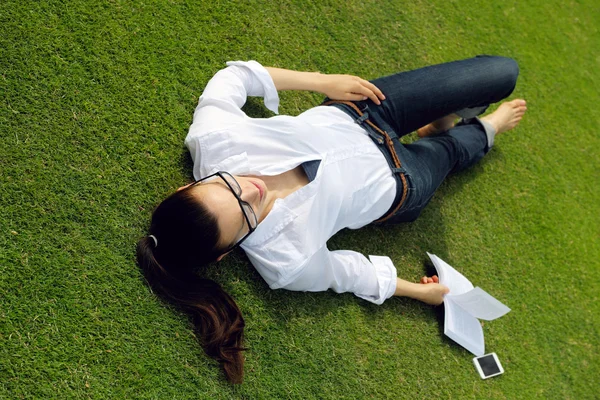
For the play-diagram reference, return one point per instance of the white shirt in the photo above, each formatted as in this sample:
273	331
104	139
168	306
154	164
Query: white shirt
353	186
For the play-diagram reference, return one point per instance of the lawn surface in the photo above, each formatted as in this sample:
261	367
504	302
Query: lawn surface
96	99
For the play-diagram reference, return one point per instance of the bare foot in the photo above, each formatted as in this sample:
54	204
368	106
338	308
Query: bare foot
507	116
438	126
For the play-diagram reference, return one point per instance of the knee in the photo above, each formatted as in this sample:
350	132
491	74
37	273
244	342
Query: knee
505	70
510	69
506	65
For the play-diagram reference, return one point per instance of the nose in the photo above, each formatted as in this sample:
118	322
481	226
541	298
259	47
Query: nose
250	192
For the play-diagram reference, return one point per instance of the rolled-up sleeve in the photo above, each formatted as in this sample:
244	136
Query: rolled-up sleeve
226	93
372	279
257	82
219	107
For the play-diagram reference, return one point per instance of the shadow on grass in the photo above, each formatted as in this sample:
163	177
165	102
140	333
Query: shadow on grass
406	241
403	241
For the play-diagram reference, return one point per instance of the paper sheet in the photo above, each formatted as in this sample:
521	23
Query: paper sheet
479	304
450	277
463	328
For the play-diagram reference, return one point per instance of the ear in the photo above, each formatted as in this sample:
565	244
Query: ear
183	187
222	255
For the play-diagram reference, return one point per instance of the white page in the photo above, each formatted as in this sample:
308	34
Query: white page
463	328
480	304
450	277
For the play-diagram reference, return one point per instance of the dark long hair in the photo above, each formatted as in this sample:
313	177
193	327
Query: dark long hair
188	235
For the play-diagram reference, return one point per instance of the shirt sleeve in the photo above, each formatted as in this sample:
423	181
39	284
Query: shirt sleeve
372	279
226	93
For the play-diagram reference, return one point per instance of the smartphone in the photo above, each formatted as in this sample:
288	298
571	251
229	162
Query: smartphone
488	365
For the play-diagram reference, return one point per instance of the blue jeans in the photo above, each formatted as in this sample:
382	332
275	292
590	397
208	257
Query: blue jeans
416	98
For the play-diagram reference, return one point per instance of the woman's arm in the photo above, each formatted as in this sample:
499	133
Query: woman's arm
428	291
337	87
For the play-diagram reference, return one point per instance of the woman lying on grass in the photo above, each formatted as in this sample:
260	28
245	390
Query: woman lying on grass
280	187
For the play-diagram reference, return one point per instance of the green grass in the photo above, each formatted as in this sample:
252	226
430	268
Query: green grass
96	101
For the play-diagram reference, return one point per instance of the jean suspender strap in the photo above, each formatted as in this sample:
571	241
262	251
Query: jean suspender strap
382	138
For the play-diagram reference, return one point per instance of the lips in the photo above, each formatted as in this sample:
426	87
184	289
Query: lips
260	190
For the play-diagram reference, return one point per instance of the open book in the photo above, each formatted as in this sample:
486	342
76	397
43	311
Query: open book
463	305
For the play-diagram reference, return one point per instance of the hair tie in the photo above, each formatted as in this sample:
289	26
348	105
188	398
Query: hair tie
155	240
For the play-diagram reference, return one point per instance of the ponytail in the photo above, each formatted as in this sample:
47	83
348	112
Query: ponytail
168	266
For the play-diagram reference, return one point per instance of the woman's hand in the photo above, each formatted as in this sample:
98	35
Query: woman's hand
432	291
349	87
433	279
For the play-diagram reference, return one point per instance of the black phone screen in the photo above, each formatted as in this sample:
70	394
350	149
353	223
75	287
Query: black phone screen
488	365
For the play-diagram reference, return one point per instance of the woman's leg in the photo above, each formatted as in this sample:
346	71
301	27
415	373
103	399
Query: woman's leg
438	126
431	159
419	97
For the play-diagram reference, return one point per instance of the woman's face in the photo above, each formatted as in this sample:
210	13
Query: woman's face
220	200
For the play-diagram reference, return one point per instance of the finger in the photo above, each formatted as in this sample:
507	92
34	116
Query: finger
371	95
373	88
355	97
362	89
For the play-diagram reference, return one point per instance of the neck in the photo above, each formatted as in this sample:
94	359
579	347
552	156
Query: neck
281	186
